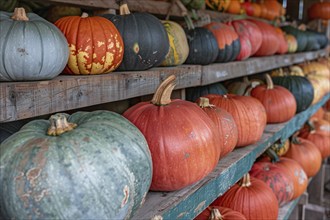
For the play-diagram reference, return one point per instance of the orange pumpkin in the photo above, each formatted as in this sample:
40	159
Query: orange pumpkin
256	10
95	44
319	10
234	7
283	47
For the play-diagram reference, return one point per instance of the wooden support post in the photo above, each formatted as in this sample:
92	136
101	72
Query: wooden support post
316	187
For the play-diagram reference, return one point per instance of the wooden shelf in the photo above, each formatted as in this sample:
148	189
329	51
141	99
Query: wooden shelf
286	210
20	100
190	201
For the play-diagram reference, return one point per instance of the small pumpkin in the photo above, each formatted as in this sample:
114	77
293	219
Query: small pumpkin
193	93
217	212
34	50
180	135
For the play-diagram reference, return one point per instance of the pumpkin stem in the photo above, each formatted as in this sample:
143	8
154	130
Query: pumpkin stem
204	103
19	15
123	9
272	155
84	15
269	81
245	181
163	93
215	214
59	124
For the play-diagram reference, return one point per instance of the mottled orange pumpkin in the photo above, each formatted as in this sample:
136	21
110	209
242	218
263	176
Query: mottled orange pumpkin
95	44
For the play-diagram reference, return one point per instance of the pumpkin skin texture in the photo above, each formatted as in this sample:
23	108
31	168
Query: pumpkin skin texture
225	214
251	197
9	128
145	39
279	102
32	49
300	87
248	113
277	178
203	47
8	5
319	10
229	45
292	43
300	36
180	135
179	48
95	44
193	93
321	141
100	169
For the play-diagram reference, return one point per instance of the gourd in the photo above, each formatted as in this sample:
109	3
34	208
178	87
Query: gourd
180	135
145	39
89	165
34	50
280	148
96	46
217	212
292	43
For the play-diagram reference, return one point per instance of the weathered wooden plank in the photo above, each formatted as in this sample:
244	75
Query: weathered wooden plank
19	100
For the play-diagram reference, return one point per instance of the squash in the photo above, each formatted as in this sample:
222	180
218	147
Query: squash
180	135
34	50
280	148
292	43
8	5
179	48
217	212
145	39
251	197
95	44
319	10
283	47
84	166
9	128
193	93
218	5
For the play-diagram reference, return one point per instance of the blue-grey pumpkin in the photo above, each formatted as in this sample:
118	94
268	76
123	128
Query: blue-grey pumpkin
96	166
31	48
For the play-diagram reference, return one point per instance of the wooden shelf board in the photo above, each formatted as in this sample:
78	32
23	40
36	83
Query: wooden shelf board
190	201
286	210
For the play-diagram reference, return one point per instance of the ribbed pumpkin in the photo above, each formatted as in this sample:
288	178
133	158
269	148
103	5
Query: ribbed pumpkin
283	47
179	48
300	87
31	47
300	36
90	165
229	45
226	126
8	5
292	43
319	10
251	197
180	135
306	154
234	7
270	43
274	9
95	44
248	8
9	128
277	178
249	115
145	39
279	102
193	93
220	213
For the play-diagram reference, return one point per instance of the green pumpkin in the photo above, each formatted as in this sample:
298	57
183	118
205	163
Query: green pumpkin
7	5
300	87
193	93
31	47
301	37
97	166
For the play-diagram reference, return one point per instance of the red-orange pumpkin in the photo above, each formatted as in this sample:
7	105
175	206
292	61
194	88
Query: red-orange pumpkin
226	126
220	213
319	114
95	44
251	197
278	101
277	178
283	44
319	10
306	154
248	113
181	137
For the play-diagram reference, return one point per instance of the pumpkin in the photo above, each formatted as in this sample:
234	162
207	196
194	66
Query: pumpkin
193	93
218	5
203	47
279	103
251	197
256	9
145	39
319	114
277	178
280	148
8	5
300	87
270	43
226	126
301	37
217	212
234	7
306	154
229	45
86	165
249	115
34	50
9	128
248	8
96	46
283	47
180	135
292	43
242	86
320	86
179	48
319	10
274	9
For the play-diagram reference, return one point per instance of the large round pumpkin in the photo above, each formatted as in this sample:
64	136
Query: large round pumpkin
278	101
31	47
251	197
145	39
180	135
248	113
93	165
220	213
229	45
95	44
